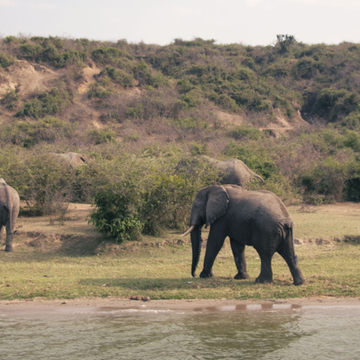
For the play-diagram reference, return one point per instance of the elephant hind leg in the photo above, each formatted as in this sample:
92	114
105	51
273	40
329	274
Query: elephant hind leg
2	230
9	236
266	274
291	259
238	250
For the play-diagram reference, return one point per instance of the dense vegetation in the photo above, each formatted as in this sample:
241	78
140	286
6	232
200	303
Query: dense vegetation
150	111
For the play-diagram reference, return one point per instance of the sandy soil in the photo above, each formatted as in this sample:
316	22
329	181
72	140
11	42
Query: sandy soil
214	305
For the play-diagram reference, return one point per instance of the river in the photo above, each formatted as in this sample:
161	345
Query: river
256	331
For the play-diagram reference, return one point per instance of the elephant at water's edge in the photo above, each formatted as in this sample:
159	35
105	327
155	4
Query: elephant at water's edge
9	211
256	218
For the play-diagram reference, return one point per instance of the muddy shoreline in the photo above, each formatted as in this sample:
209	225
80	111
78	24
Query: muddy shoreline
110	304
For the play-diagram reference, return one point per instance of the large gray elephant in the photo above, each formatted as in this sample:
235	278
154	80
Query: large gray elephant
9	211
256	218
74	159
234	171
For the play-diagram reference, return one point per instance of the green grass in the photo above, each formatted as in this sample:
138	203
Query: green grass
161	269
164	273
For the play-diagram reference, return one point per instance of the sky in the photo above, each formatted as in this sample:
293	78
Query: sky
249	22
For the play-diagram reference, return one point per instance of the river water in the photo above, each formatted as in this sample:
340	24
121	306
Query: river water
267	331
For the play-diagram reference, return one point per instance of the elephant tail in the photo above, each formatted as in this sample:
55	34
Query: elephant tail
288	240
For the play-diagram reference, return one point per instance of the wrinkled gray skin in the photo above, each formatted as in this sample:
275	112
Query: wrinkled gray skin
234	171
74	159
9	211
256	218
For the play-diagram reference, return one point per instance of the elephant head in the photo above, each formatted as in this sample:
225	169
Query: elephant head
210	203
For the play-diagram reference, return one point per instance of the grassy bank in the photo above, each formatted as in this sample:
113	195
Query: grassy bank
69	260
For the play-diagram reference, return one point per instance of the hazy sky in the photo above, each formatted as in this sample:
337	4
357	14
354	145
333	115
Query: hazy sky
252	22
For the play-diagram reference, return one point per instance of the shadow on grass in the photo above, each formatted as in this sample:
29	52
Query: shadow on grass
161	284
352	239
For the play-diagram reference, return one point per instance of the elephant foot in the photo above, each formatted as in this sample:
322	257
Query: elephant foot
204	274
299	281
241	275
9	248
262	280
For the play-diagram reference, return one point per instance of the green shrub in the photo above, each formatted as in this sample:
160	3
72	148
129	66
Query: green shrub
147	195
245	132
10	39
326	179
28	134
191	122
191	99
120	77
143	74
96	90
108	55
10	99
97	137
199	149
306	68
48	103
335	104
40	179
31	51
135	112
116	215
6	60
68	58
166	204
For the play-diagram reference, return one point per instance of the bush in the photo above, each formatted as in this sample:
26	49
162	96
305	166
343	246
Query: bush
245	132
326	179
10	99
6	60
147	195
100	136
166	204
48	103
28	134
116	215
96	90
120	77
40	179
335	104
191	122
144	76
108	55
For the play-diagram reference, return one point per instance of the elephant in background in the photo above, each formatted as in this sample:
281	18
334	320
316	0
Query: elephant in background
9	211
256	218
74	159
234	171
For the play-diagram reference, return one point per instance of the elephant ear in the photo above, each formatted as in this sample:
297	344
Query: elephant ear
217	203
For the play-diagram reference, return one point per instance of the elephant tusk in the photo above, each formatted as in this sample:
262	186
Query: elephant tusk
191	228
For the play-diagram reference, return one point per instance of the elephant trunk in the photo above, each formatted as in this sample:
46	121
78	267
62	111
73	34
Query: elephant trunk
196	248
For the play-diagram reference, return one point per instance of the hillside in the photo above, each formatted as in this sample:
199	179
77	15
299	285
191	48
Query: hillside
290	111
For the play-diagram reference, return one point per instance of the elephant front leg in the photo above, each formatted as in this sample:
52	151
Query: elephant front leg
214	244
238	250
266	274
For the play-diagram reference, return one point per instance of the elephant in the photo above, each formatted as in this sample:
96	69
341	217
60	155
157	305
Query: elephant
255	218
74	159
9	211
234	171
